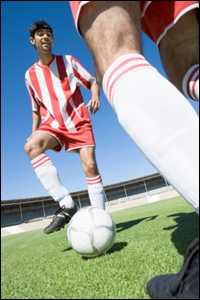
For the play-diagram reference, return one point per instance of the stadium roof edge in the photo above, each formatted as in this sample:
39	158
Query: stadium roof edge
82	192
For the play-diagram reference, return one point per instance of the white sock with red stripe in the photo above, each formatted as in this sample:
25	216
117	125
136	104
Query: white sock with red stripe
96	192
158	118
48	176
190	84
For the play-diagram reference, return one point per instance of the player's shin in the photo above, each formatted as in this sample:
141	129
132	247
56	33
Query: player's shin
158	118
48	176
96	192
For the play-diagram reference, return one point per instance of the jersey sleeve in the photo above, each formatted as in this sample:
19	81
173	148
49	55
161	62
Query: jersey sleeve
34	103
82	75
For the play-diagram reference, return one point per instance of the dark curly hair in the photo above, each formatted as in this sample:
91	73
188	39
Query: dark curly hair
39	25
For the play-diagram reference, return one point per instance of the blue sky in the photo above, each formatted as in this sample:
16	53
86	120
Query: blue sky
118	157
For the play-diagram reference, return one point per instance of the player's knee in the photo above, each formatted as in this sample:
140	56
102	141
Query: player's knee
33	148
27	148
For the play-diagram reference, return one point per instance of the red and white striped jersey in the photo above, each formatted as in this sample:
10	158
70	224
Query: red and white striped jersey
55	89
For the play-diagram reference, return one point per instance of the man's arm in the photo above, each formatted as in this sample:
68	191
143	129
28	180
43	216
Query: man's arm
94	103
89	82
36	120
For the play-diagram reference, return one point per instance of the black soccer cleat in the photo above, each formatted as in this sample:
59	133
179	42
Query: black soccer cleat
60	219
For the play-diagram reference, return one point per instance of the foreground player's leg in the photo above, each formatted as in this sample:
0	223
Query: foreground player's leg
179	50
48	176
95	186
151	110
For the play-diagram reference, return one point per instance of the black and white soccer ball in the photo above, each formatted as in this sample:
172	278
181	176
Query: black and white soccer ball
91	231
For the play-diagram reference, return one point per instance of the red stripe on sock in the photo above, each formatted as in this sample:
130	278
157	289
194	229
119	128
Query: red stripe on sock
35	160
190	79
94	180
193	86
126	61
36	165
123	73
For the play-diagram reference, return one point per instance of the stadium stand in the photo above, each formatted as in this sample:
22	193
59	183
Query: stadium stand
19	211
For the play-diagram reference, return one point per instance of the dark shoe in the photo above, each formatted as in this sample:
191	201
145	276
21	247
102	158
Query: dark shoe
160	287
60	219
182	285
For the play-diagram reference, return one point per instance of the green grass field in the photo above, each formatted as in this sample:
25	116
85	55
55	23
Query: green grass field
150	240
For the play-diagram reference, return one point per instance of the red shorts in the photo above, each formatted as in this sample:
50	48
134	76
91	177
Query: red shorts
157	17
82	137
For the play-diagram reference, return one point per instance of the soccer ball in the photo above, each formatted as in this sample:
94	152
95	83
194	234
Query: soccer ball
91	231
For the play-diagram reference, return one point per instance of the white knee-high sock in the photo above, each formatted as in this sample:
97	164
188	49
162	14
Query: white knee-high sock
158	118
190	83
96	192
48	176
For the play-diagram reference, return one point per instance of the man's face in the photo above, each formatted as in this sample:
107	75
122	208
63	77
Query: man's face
42	41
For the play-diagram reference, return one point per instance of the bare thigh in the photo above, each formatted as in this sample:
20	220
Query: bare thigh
110	29
179	48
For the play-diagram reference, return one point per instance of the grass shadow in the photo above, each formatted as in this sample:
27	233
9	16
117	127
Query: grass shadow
126	225
185	230
117	247
67	249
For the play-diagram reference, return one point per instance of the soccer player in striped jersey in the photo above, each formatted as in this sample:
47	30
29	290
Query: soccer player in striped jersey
61	119
154	112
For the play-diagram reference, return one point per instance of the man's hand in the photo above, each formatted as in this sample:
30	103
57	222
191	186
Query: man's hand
93	105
